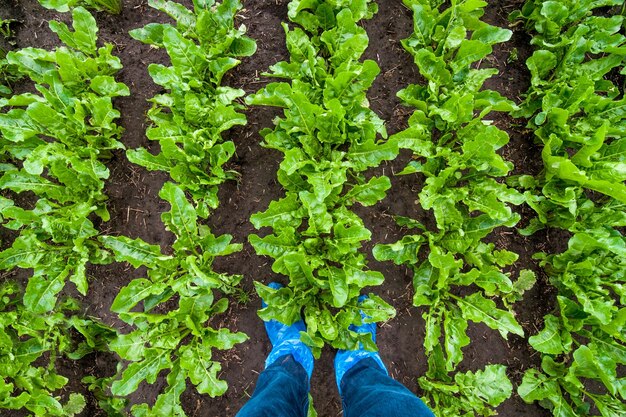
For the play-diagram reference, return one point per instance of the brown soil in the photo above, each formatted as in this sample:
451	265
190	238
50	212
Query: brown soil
136	207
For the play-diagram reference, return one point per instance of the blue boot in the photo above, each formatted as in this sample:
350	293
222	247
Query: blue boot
346	359
286	340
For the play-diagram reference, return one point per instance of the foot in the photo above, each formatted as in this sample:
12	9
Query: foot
286	340
346	359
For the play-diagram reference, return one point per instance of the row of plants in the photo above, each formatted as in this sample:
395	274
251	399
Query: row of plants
328	137
53	144
458	276
575	107
171	308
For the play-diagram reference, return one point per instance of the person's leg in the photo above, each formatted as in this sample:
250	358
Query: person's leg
281	391
283	387
367	391
365	386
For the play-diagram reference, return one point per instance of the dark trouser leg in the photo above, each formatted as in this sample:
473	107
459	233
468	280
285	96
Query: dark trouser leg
367	391
281	391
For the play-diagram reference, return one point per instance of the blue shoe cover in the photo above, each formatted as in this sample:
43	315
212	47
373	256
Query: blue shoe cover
286	340
346	359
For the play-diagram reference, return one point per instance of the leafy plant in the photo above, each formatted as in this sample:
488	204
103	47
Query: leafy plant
189	120
165	337
586	340
110	6
469	393
52	143
574	108
455	148
328	136
59	137
172	307
30	345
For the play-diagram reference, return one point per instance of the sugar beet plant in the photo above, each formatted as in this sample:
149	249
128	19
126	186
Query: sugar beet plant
52	144
189	120
74	108
172	307
31	344
175	336
455	148
574	108
328	137
576	113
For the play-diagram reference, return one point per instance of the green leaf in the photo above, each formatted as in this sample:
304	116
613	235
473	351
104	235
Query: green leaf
182	218
284	212
481	310
469	52
202	371
168	402
370	193
376	309
455	338
146	370
186	56
404	251
490	385
594	365
524	282
136	252
107	86
432	67
26	252
85	31
338	285
75	404
41	291
272	245
20	181
371	154
536	387
549	339
129	346
136	291
151	34
326	325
